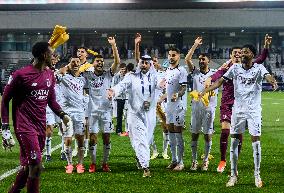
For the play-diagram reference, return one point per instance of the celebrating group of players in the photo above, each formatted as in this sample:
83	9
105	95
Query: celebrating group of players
81	94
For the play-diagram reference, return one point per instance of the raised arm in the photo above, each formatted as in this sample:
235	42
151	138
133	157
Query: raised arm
189	55
138	40
116	59
264	53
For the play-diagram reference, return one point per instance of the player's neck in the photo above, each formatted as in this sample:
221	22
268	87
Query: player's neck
83	61
39	64
98	73
204	70
247	65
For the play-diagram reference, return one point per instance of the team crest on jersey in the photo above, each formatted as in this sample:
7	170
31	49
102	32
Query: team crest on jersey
48	83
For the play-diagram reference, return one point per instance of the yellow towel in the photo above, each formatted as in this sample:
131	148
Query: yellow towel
59	37
204	99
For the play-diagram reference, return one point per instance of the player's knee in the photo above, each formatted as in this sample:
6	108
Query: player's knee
93	139
34	170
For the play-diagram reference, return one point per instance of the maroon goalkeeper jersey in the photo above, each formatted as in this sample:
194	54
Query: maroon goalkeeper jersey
31	91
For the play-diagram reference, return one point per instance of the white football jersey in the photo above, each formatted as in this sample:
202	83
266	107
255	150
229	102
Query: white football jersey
160	74
98	86
174	78
199	78
247	86
72	90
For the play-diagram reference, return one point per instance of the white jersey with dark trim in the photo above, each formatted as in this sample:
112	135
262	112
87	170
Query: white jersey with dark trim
247	86
199	78
98	86
72	91
174	78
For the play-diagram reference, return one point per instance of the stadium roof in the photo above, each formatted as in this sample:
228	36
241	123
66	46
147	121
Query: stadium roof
10	5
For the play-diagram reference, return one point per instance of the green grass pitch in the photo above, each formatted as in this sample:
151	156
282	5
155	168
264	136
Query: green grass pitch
125	177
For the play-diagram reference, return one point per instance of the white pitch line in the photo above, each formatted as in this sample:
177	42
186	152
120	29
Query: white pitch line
16	169
275	103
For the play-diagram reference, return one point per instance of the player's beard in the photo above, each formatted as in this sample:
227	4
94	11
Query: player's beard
172	61
245	59
202	65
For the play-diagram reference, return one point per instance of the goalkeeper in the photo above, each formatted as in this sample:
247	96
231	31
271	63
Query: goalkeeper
32	89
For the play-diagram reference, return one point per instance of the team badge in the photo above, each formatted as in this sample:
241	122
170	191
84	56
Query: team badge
48	83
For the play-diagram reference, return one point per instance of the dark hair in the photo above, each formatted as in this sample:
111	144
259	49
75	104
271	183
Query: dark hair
174	49
233	48
205	55
130	67
39	49
122	65
83	47
97	56
251	48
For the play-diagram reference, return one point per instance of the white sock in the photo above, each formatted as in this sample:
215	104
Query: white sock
62	143
173	146
194	150
68	152
93	153
48	145
207	149
75	144
234	155
165	142
180	147
86	143
154	146
81	151
106	152
256	157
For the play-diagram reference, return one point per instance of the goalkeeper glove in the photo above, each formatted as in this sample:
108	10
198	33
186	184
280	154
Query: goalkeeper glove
7	139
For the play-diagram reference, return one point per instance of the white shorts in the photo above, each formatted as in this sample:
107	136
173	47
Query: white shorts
239	119
51	118
101	120
202	119
78	124
175	116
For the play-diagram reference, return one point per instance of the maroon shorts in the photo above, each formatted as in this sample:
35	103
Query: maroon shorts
226	112
31	147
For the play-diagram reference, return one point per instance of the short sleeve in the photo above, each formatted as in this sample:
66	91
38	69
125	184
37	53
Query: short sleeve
263	71
183	76
229	75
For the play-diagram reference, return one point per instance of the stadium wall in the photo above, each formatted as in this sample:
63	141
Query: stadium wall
141	19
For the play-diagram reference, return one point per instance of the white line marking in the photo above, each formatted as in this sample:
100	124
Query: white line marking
275	103
16	169
272	99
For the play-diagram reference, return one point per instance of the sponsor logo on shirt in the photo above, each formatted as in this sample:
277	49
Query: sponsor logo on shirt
34	84
40	94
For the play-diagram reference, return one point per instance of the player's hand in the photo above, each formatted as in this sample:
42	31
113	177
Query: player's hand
207	82
225	66
201	94
274	86
111	41
267	41
7	139
163	83
138	38
110	93
174	97
198	41
68	123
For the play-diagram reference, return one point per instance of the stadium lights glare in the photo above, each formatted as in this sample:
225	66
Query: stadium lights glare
62	1
225	1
